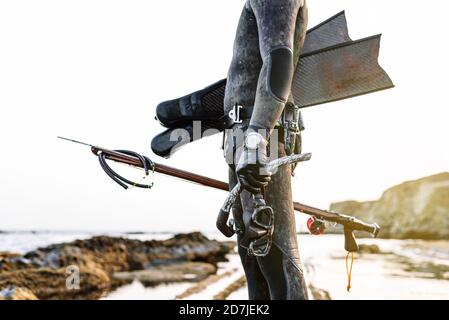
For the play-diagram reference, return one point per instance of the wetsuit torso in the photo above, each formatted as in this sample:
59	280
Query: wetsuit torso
269	39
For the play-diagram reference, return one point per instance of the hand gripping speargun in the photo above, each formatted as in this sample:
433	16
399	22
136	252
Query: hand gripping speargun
258	233
133	159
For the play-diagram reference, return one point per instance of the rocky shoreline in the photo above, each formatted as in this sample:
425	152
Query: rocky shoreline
412	210
116	268
105	263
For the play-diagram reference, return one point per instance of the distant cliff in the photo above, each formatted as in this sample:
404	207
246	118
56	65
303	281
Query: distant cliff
413	210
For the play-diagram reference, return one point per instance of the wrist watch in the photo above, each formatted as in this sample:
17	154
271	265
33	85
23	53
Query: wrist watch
254	140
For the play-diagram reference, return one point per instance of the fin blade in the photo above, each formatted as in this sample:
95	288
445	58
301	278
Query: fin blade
332	67
340	72
331	32
328	33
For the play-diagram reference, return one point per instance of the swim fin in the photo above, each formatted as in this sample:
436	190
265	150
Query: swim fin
331	67
339	72
171	140
207	104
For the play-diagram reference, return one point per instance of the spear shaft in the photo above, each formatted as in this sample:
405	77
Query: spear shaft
349	223
220	185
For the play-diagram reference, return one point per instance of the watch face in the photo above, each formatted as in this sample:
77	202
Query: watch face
253	140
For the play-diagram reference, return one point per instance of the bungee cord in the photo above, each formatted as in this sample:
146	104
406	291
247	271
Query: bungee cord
147	165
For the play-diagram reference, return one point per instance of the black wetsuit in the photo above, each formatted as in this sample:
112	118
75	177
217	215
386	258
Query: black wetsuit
269	39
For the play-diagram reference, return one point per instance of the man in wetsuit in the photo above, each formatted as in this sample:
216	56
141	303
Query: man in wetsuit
269	39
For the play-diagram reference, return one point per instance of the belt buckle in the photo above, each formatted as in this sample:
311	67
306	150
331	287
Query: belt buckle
234	114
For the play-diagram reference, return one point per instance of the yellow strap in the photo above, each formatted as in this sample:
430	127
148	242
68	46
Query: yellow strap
349	268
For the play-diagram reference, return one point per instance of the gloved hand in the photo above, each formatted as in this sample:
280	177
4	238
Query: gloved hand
251	168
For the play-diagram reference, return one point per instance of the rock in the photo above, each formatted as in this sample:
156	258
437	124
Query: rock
43	271
17	293
51	283
7	260
319	294
204	284
413	210
179	272
119	254
236	285
369	249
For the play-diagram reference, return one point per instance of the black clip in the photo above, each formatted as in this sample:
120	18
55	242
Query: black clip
234	114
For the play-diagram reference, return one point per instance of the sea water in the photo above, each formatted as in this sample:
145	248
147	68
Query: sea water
406	269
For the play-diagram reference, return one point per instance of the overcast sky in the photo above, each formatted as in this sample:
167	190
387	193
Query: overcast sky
95	71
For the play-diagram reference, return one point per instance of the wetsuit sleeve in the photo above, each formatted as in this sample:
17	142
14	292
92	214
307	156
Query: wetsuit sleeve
277	25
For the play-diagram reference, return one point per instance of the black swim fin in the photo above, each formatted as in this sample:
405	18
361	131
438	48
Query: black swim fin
332	67
207	104
171	140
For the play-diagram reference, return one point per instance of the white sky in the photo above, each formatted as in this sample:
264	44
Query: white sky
95	70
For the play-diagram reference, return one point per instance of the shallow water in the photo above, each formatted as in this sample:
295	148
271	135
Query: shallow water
396	274
408	269
384	276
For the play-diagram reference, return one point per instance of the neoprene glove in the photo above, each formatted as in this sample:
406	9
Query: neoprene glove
252	166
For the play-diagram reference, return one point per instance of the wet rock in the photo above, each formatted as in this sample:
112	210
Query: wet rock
319	294
119	254
204	284
7	260
179	272
425	270
413	210
52	284
233	287
17	293
44	271
369	249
